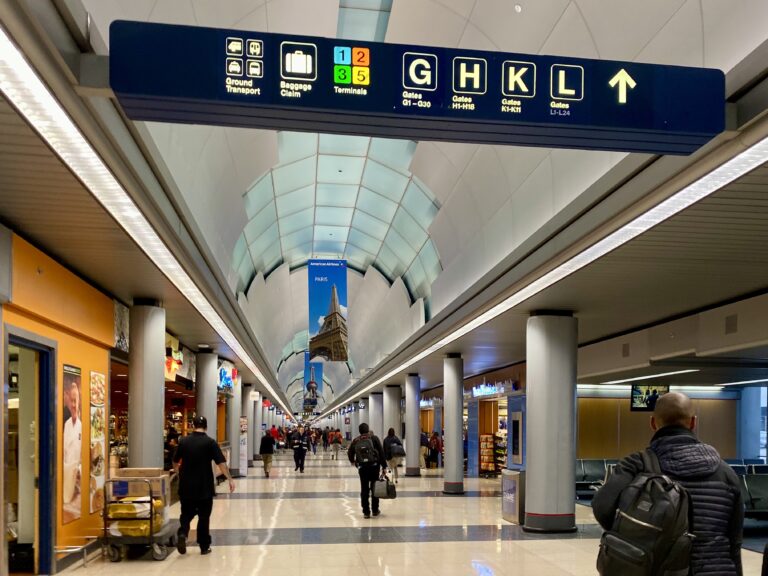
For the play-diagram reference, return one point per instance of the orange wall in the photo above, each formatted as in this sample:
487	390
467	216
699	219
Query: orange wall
44	288
52	302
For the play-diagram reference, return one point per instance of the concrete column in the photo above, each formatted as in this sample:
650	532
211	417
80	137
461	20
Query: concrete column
207	382
550	496
234	405
258	419
412	424
392	396
453	392
749	423
146	387
376	412
354	421
247	412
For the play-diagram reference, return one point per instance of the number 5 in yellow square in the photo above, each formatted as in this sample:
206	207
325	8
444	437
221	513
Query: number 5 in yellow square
361	75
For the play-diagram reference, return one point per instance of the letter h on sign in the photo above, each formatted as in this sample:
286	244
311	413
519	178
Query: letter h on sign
469	75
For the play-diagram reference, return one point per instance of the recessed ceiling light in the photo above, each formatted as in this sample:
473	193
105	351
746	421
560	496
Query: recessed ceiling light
518	8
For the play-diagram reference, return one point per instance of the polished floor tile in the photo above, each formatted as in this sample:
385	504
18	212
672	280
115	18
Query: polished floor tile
312	524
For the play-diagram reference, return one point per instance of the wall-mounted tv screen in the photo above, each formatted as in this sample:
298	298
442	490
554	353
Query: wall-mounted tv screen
644	397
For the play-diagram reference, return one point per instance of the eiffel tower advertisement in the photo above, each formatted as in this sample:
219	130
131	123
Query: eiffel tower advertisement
328	336
313	383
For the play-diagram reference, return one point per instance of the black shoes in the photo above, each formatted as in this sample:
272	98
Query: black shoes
302	471
296	469
377	512
267	473
366	515
206	551
181	544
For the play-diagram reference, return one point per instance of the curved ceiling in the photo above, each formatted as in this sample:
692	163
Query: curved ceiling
343	197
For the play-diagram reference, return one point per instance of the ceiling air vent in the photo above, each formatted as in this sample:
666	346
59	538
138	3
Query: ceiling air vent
625	350
732	324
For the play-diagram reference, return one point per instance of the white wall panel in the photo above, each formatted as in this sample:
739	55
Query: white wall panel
680	42
487	182
732	29
312	17
621	28
573	171
224	14
461	7
523	32
432	167
424	22
571	36
173	12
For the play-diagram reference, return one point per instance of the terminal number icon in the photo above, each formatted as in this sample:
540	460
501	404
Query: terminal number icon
352	65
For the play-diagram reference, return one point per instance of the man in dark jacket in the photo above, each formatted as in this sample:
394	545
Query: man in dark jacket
267	451
300	445
715	493
369	471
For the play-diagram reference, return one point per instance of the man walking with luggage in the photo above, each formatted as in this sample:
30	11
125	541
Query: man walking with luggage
367	453
192	462
694	468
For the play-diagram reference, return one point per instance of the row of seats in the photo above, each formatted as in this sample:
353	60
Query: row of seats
744	462
754	492
744	470
591	472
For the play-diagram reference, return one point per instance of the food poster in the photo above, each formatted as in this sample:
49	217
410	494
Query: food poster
73	445
98	441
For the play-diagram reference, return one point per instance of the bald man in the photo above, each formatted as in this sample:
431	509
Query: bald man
714	489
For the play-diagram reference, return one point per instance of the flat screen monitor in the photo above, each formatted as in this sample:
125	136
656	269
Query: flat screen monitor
644	397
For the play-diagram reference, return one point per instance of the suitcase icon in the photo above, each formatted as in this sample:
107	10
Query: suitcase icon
297	62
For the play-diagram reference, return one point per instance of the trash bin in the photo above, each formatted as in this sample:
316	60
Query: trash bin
513	496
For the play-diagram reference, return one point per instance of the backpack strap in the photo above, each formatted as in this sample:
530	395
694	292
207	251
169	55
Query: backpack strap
651	461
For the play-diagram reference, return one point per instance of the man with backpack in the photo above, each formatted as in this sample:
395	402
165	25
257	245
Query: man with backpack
674	508
367	453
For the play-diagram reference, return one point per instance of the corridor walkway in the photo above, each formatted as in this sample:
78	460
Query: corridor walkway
311	524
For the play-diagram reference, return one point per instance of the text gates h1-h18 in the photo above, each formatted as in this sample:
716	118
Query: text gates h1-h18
199	75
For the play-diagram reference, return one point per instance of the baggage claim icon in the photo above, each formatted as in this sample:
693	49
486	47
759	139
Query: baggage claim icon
298	61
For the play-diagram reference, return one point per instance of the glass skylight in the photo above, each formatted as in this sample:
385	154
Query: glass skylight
347	197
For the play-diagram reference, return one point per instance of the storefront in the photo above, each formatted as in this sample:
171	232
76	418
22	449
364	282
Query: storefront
57	333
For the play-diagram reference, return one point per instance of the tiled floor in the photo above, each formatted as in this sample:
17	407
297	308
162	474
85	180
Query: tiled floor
312	524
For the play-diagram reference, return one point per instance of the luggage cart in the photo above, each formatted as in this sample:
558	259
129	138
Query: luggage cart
116	547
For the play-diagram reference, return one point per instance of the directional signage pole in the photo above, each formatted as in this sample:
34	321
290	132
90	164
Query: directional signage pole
255	79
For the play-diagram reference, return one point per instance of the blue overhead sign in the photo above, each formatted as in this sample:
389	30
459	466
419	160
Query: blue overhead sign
254	79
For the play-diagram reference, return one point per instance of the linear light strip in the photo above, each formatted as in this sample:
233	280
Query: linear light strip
652	376
761	380
721	176
29	95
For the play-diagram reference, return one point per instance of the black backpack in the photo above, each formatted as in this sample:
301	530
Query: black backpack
365	452
651	534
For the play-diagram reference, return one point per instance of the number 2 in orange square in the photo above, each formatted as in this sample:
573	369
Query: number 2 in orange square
361	56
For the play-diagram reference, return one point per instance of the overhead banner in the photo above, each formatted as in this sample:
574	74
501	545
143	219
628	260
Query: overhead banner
328	337
313	382
196	75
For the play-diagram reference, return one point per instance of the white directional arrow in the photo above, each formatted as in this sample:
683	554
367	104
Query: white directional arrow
623	79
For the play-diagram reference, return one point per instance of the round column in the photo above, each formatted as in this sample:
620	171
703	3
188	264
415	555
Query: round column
412	424
206	384
392	396
146	387
354	421
233	427
376	412
453	399
246	411
550	495
258	419
364	413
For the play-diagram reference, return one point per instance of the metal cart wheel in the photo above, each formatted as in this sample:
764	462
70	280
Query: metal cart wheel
114	553
159	551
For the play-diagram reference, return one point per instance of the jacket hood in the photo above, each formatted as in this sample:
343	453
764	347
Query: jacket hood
683	456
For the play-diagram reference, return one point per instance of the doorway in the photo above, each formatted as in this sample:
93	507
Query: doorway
29	495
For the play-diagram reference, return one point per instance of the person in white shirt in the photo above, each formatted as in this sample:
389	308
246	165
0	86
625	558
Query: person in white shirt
73	434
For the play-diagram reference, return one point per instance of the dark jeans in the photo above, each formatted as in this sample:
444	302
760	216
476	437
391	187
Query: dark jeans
298	458
201	509
368	476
